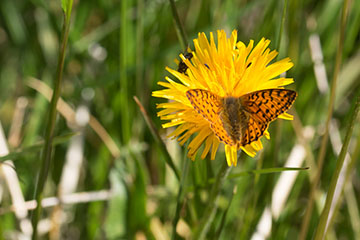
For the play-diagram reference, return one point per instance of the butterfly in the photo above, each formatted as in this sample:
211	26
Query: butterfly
238	121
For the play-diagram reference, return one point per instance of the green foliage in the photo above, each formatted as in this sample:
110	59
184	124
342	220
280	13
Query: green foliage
119	49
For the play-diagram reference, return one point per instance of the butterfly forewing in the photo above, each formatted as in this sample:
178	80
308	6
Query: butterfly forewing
267	105
205	103
263	107
209	106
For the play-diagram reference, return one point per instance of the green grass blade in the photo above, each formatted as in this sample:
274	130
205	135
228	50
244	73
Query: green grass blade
123	69
66	6
223	218
158	139
210	210
321	229
180	196
324	141
178	26
261	171
49	132
265	171
278	41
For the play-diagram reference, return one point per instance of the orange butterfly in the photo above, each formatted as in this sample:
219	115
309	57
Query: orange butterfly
241	120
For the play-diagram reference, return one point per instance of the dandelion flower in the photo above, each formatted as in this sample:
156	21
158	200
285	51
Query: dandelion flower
226	93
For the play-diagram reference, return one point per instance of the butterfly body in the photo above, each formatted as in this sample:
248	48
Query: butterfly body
241	120
234	117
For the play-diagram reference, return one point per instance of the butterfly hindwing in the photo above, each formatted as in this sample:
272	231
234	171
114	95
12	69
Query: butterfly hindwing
220	132
209	106
253	132
267	105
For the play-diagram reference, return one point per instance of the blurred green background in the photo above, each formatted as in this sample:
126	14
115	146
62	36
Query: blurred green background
119	49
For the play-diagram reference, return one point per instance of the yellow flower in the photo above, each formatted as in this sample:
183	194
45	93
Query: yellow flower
228	69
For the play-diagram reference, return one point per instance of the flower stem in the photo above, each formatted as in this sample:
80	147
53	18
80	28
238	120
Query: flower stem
210	210
321	229
49	132
322	151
